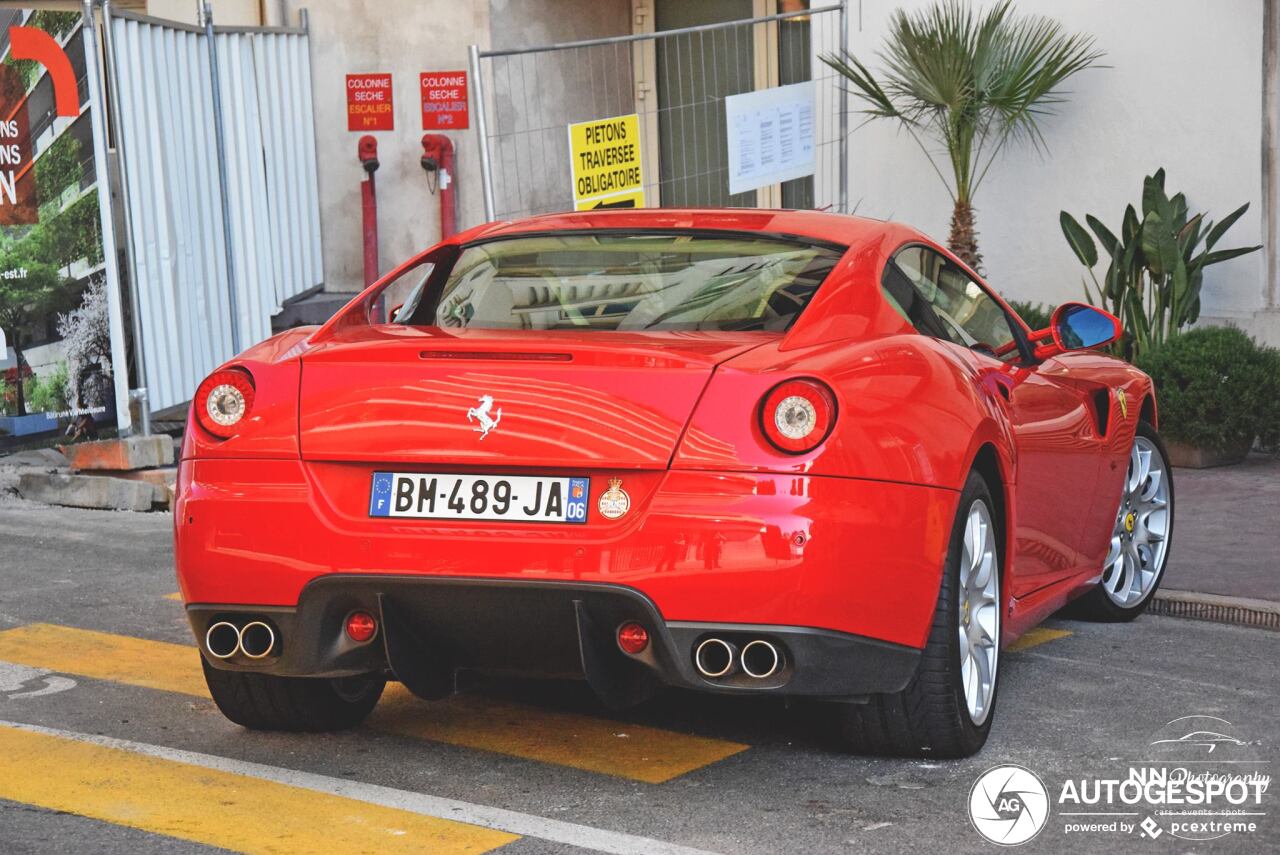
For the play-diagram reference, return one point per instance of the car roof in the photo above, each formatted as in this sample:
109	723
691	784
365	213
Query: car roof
843	229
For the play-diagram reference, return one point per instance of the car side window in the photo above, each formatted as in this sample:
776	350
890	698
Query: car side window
939	299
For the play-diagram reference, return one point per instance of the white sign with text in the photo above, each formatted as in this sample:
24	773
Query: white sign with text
770	136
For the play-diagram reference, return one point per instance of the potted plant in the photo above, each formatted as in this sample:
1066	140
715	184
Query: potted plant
1218	392
963	85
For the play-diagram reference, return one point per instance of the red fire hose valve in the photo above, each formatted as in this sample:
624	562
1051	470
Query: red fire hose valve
367	151
437	160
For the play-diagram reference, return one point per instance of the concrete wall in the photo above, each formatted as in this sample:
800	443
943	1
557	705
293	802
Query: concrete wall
404	39
1184	91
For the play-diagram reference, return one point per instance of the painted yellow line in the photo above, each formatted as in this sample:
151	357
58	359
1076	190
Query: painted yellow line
578	741
105	656
216	808
176	596
615	748
1037	637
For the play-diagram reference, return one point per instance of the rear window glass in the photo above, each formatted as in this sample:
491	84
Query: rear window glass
630	282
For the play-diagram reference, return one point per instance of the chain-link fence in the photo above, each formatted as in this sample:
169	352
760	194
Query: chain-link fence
675	82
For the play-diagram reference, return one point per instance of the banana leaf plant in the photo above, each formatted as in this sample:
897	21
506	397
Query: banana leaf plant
1153	280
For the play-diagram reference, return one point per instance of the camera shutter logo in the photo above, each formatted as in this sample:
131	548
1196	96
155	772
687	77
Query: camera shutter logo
1009	805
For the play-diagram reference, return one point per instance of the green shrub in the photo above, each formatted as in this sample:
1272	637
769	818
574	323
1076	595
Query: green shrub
1036	315
1217	388
48	394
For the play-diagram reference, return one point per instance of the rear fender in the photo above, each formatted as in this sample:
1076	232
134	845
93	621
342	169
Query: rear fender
271	430
908	410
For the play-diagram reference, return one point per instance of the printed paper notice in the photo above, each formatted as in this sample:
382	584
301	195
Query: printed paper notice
770	136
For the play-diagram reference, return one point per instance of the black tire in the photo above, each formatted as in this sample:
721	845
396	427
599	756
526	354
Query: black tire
930	718
1096	605
267	702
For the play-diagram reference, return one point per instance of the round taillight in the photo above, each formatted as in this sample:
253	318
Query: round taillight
361	627
224	400
632	637
797	415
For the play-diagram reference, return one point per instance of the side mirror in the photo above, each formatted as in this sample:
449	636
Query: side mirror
1076	326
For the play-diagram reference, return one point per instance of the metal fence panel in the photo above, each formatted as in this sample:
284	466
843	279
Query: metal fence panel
167	132
676	81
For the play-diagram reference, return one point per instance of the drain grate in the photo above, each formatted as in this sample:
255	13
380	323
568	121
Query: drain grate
1241	612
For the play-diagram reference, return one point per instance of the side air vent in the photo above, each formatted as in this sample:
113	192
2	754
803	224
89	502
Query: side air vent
1102	410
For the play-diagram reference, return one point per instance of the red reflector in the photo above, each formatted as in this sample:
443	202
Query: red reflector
361	626
632	637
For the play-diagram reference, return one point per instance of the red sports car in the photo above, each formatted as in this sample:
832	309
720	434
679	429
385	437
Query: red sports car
757	452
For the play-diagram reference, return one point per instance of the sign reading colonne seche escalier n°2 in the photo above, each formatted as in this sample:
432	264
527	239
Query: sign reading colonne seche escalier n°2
605	163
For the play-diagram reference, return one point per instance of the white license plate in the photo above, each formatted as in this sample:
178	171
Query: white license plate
522	498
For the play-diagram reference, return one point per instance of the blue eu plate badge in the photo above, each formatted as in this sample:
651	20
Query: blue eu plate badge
380	498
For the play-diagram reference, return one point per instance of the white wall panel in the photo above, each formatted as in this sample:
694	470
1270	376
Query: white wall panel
170	162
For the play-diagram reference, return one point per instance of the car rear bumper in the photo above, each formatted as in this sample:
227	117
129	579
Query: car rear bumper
430	628
850	556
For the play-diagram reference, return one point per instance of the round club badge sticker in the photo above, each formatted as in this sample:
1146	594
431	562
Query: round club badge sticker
614	502
1009	805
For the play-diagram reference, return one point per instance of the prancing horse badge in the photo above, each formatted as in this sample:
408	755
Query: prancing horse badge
481	414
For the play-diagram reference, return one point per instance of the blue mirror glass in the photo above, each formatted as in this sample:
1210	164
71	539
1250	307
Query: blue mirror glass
1081	327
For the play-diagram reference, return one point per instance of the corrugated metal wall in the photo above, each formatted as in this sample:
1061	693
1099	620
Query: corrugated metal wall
168	149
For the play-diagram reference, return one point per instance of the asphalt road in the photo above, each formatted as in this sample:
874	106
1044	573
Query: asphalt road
108	743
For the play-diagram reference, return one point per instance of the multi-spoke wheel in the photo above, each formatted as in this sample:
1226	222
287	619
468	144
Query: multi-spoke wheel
1141	534
946	710
979	612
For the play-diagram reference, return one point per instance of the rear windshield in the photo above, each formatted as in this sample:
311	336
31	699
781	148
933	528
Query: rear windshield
629	282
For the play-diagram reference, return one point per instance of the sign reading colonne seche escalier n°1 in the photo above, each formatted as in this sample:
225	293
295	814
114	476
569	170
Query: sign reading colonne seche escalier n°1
605	163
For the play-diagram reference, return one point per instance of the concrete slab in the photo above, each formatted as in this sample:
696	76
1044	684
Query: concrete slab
135	452
91	491
42	458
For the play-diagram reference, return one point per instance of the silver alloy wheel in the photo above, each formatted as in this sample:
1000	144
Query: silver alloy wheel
979	612
1140	538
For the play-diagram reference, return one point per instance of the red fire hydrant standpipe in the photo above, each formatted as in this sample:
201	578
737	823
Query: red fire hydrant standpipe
437	160
367	151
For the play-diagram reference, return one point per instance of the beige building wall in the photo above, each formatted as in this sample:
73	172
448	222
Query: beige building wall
403	39
406	39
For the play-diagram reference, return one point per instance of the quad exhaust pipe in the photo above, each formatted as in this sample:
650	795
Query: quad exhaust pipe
255	640
716	657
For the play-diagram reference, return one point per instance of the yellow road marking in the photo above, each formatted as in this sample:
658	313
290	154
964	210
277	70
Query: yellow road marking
105	656
213	807
645	754
567	739
1036	637
176	596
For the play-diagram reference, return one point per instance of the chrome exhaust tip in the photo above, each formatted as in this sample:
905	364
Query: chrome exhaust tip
760	659
257	639
222	640
714	657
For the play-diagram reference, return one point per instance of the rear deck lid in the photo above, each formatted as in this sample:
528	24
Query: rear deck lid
495	399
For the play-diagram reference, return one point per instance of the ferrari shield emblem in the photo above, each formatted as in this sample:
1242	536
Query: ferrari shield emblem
1123	400
614	502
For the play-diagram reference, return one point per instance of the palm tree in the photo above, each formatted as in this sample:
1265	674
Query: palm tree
972	84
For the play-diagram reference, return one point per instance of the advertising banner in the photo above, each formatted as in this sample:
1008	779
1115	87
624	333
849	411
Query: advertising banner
57	367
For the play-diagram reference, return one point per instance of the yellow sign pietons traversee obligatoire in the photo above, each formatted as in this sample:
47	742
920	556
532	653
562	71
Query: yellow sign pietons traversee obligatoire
605	163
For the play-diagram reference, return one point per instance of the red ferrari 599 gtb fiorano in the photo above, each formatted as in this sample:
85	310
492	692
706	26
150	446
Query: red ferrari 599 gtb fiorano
732	451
